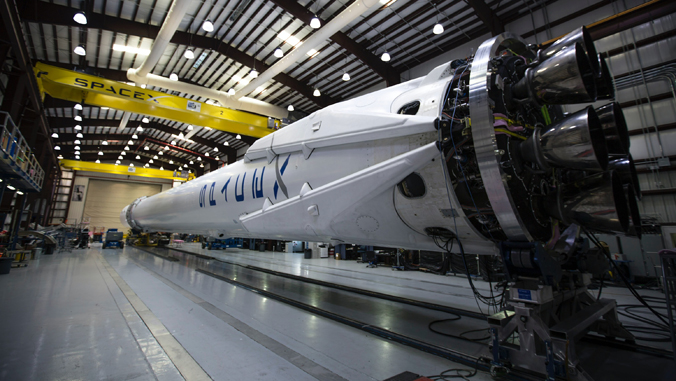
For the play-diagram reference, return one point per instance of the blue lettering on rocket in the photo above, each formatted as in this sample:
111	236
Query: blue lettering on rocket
256	186
240	197
212	202
203	193
225	189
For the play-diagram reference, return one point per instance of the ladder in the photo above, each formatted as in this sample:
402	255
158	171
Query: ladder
61	199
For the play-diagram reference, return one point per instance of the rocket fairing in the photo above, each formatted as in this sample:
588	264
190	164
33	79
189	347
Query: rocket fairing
477	149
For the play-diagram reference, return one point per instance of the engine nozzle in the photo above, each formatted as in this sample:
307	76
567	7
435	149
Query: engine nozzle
614	128
563	78
576	142
596	202
624	166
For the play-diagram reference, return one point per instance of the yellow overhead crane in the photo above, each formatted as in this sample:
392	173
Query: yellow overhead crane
78	165
83	88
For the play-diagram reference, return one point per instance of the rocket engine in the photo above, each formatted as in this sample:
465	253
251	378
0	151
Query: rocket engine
479	149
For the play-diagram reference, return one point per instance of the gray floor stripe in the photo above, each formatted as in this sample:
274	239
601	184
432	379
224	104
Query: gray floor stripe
310	367
186	365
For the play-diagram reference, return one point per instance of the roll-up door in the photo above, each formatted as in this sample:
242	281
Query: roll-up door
105	200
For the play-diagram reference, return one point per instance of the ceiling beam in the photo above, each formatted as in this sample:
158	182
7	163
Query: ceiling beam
487	16
48	13
111	157
385	71
115	151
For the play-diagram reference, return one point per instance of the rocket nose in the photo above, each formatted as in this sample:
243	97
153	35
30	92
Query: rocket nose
123	217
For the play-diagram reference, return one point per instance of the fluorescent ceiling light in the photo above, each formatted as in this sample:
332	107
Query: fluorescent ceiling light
288	38
312	53
80	50
208	26
315	23
438	29
80	18
189	54
131	49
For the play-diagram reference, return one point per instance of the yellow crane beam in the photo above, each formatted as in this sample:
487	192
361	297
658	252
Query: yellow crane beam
78	165
83	88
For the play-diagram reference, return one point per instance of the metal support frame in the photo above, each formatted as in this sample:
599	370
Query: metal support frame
668	262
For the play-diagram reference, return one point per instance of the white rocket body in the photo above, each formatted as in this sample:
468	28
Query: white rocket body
330	177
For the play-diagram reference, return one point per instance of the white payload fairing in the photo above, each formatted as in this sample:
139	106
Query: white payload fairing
478	149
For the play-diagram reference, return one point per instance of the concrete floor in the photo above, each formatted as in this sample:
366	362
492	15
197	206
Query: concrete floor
112	314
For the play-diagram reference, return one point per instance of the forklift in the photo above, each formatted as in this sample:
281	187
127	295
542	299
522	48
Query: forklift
113	239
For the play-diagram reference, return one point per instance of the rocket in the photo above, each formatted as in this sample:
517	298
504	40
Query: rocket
477	150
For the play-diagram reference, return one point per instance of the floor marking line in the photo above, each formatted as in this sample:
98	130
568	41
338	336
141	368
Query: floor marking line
186	365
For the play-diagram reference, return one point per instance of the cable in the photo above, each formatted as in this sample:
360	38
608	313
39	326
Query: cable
470	373
593	238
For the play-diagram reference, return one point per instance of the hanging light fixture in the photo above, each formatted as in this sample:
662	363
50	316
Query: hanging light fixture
206	154
190	127
160	153
77	157
317	93
173	77
253	73
201	165
137	157
79	135
105	143
166	148
231	91
77	148
199	158
80	18
171	162
100	153
145	120
119	157
77	106
238	137
208	26
290	108
80	50
130	142
76	142
315	23
346	77
123	153
385	57
225	143
60	157
57	148
279	53
173	142
438	29
181	136
191	163
126	148
146	148
150	161
98	161
217	158
216	149
78	118
117	162
189	54
55	135
77	127
139	129
185	165
161	168
134	136
131	164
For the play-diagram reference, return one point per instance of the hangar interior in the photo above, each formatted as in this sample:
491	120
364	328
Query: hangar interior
476	189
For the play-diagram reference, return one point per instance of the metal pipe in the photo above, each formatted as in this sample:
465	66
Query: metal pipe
171	23
345	17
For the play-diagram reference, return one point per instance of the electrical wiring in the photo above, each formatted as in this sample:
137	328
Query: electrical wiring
469	372
596	242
